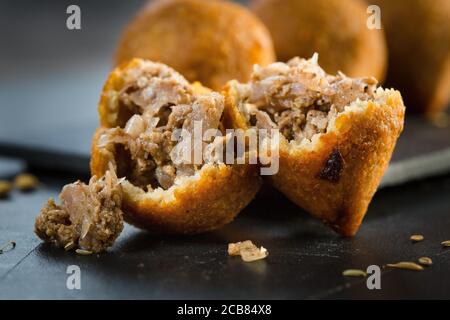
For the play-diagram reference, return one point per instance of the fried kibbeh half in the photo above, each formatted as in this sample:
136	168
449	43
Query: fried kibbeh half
337	135
418	36
206	41
142	107
336	29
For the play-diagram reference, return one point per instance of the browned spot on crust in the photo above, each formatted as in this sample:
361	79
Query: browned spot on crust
333	167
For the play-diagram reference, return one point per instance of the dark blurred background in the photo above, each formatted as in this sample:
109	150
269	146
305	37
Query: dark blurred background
49	73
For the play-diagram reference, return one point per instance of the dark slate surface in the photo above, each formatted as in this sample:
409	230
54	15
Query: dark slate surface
306	258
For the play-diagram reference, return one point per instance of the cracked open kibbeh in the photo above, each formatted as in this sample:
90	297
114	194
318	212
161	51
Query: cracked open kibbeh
141	107
336	29
207	41
337	135
418	36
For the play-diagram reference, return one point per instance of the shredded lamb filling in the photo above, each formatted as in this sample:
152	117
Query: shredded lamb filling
89	216
299	98
159	102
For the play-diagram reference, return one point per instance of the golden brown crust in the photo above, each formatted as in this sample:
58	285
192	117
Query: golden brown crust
335	29
207	41
197	205
419	57
336	179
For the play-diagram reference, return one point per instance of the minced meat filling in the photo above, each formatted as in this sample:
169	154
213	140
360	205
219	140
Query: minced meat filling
89	216
148	151
299	98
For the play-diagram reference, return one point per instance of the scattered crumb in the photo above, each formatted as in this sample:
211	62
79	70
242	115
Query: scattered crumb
26	182
446	243
425	261
354	273
406	265
234	249
416	238
89	216
247	250
5	188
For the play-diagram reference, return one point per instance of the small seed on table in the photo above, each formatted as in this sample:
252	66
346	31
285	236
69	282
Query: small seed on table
406	265
416	237
26	182
69	246
83	252
5	188
10	245
354	273
425	261
446	243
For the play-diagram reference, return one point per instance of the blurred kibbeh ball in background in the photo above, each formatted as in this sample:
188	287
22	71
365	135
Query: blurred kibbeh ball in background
418	36
336	29
206	41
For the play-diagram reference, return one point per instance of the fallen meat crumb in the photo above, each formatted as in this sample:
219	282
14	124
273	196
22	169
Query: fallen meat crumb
247	250
89	217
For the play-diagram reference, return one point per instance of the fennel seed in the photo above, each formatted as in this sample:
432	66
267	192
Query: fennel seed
83	252
26	182
10	245
425	261
354	273
5	188
446	243
416	238
69	246
406	265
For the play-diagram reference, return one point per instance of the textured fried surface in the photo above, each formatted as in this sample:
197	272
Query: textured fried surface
207	41
336	29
